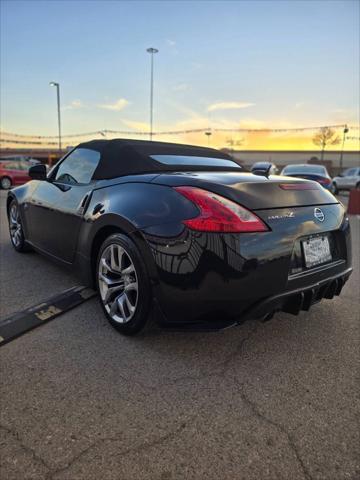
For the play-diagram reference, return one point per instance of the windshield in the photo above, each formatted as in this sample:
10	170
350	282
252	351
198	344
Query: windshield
261	165
306	169
189	160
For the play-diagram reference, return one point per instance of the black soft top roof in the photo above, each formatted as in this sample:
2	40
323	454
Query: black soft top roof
127	157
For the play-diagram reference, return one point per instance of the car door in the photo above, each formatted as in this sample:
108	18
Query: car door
11	170
56	207
23	172
348	178
354	178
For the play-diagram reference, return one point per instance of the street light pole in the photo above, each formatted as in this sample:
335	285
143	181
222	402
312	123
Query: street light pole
208	133
57	85
345	131
151	51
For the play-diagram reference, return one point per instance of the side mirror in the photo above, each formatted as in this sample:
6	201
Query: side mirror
37	172
264	172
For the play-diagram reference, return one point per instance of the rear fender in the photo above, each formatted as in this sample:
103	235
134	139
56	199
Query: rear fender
142	205
128	208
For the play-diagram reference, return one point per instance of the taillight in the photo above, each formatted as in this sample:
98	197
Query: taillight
218	214
324	181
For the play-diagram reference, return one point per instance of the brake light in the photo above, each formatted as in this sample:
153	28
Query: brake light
299	186
218	214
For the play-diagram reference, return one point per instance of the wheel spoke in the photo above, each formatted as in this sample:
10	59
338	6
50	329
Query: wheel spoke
111	290
121	304
113	257
111	281
131	286
121	256
116	255
105	264
130	306
113	308
14	215
127	270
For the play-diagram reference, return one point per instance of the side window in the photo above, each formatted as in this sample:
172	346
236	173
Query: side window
14	165
351	172
7	165
78	167
24	166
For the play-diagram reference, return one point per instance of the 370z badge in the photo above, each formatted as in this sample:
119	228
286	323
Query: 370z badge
278	217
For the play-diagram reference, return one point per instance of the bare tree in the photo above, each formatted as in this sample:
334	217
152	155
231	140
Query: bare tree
325	136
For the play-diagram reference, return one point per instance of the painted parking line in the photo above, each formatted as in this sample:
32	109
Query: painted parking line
21	322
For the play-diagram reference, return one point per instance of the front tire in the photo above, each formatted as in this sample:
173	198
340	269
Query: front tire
5	183
123	284
16	229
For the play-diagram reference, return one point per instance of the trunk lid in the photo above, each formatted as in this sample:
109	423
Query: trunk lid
253	191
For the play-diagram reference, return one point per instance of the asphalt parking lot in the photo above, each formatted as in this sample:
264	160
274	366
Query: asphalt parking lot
275	400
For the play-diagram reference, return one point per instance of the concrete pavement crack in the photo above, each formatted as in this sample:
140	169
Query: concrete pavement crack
257	413
158	441
223	366
26	448
239	348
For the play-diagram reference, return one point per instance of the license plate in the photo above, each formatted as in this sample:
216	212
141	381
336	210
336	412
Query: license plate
316	251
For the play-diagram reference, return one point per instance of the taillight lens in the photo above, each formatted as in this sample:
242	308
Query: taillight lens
218	214
299	186
325	181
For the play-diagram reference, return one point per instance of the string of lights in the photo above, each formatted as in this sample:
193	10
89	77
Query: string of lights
104	133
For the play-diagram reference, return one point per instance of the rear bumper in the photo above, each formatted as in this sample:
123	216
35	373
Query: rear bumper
294	301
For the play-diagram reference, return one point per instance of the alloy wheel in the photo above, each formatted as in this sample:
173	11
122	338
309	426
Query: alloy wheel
15	225
5	183
118	283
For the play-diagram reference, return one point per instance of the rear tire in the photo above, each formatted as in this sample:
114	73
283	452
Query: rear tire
5	183
16	229
123	284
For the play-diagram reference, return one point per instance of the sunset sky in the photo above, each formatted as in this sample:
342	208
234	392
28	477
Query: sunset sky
259	64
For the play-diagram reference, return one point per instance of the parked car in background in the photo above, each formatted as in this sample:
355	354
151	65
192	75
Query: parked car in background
20	158
309	172
347	180
13	172
268	167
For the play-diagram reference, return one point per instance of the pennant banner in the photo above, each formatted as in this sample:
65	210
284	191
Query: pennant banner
178	132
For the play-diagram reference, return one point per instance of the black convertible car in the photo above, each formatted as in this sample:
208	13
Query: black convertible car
183	232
